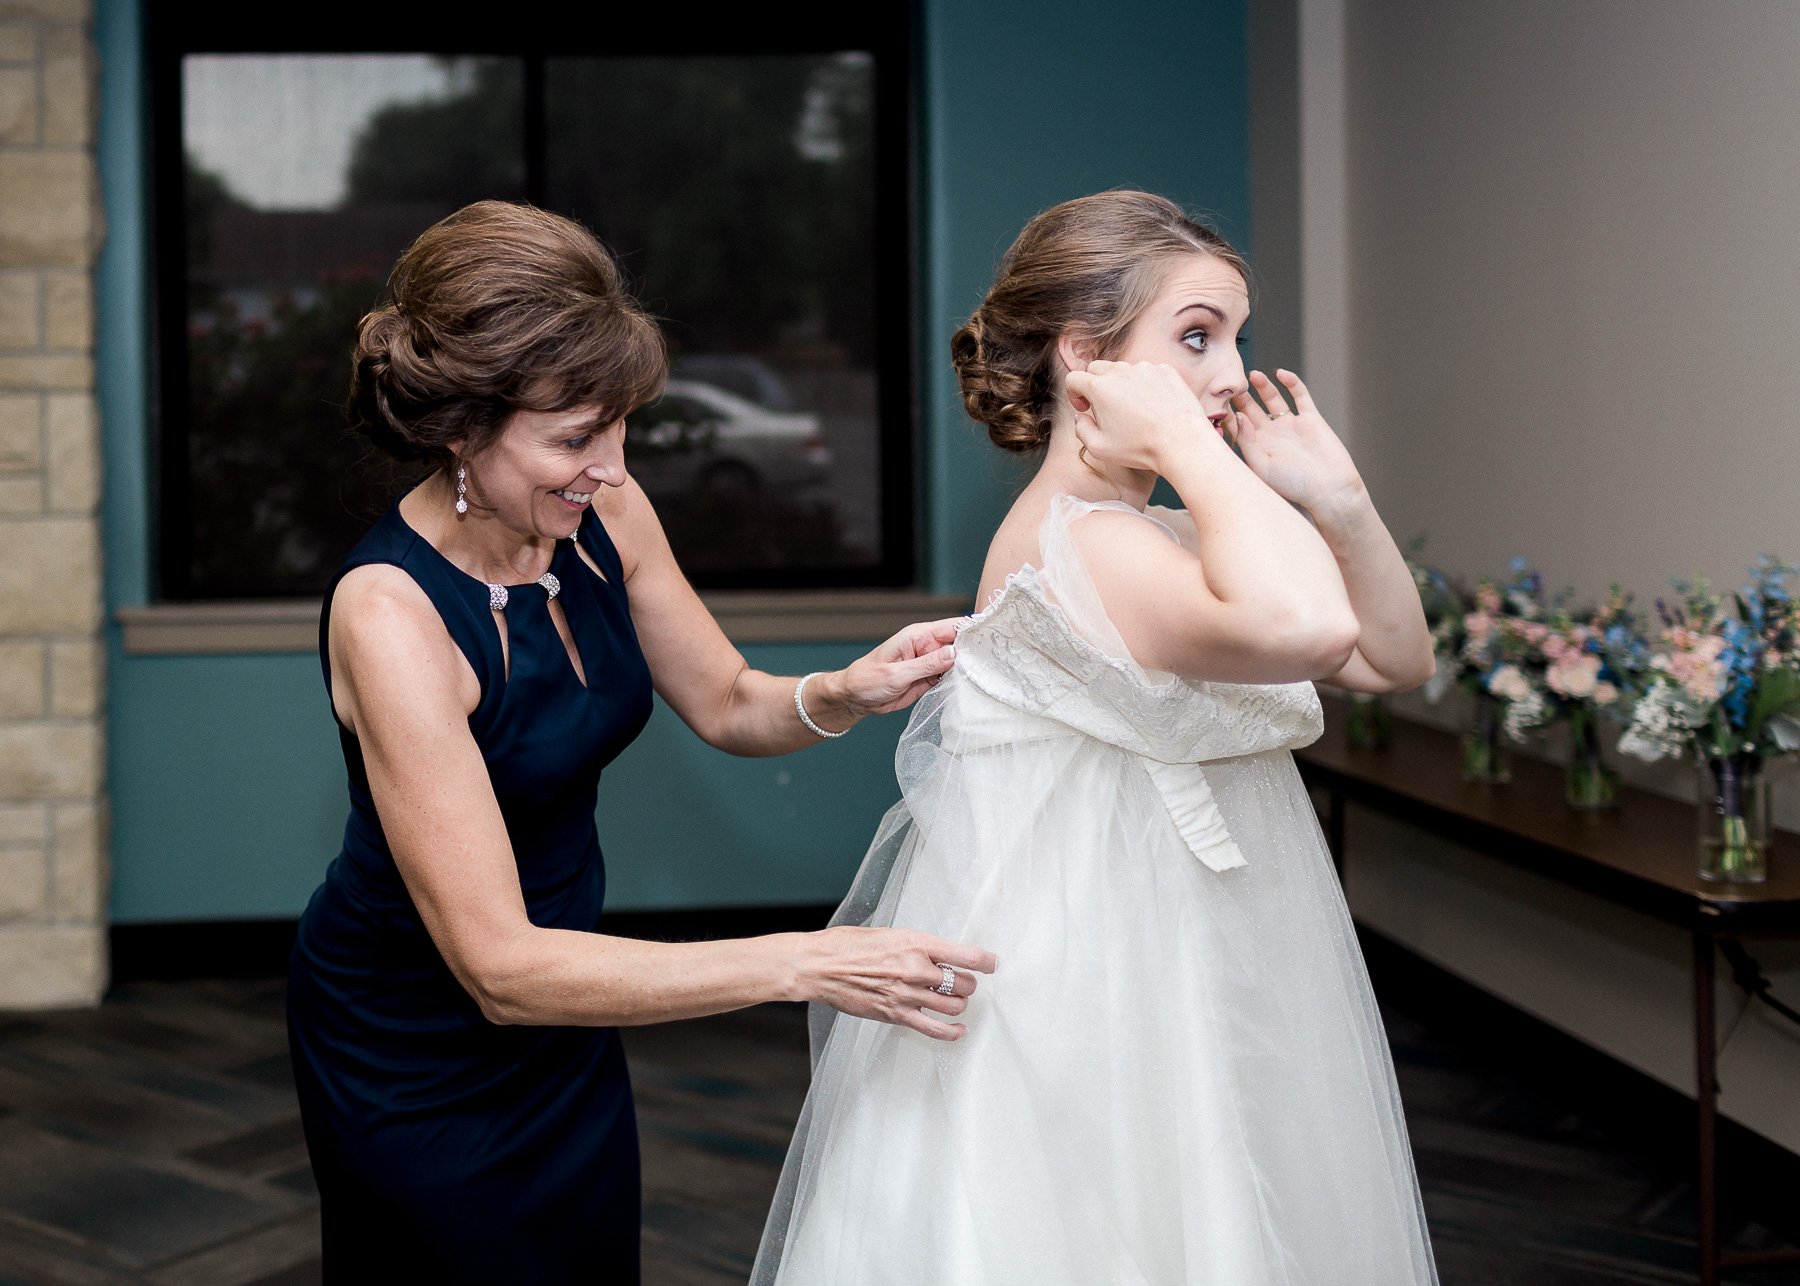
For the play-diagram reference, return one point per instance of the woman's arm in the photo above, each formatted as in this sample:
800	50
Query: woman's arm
1263	602
708	683
402	686
1299	456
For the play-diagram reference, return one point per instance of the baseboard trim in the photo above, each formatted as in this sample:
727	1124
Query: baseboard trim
179	950
260	948
1638	1113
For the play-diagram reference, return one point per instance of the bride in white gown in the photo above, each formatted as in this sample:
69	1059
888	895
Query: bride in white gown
1176	1073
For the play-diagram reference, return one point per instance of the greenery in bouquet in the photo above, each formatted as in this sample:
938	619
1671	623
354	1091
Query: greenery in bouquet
1727	683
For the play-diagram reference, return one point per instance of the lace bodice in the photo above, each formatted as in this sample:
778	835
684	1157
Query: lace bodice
1064	661
1024	652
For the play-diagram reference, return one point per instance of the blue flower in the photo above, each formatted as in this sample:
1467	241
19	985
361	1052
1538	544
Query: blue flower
1743	649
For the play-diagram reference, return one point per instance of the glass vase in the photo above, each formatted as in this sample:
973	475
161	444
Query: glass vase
1485	755
1733	815
1368	727
1588	782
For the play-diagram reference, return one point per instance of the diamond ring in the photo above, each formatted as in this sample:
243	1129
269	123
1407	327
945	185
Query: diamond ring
948	986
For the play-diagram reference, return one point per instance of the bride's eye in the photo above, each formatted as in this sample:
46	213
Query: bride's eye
1196	340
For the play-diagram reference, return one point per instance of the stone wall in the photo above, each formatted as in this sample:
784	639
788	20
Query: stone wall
53	848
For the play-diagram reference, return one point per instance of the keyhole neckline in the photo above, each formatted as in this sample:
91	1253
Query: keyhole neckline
498	595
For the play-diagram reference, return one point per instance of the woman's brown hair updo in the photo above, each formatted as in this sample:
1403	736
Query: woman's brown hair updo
1093	263
495	309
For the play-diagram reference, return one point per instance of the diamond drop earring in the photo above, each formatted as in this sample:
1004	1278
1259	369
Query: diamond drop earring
462	490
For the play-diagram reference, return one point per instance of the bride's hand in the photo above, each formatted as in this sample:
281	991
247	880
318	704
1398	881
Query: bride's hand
892	677
1295	452
1132	414
891	975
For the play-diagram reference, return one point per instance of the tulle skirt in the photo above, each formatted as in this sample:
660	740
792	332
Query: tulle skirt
1175	1075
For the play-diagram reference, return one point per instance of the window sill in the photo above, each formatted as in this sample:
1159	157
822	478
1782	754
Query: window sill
746	616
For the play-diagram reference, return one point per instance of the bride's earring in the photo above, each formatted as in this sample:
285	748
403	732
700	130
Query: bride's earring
462	489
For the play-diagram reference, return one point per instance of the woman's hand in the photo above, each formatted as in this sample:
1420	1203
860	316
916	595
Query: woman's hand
1132	414
1301	460
891	975
890	678
1295	452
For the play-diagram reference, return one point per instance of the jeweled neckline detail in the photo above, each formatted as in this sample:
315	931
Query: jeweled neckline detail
498	594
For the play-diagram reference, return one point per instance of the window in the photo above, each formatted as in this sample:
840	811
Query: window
752	183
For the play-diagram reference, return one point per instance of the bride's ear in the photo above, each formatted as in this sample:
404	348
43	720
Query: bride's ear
1074	350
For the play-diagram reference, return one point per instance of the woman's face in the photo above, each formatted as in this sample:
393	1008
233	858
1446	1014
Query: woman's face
1192	325
542	473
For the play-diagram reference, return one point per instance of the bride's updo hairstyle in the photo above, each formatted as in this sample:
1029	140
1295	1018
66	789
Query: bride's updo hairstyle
495	309
1094	264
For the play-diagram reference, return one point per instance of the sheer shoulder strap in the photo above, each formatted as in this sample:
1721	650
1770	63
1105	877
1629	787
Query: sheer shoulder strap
1179	521
1071	586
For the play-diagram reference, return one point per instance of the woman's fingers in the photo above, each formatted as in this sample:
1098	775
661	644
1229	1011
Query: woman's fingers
893	975
937	1002
919	640
920	1021
962	983
1302	399
1250	410
1079	385
929	667
940	632
958	955
1270	393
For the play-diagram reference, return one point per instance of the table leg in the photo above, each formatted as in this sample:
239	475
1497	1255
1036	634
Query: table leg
1334	831
1706	1101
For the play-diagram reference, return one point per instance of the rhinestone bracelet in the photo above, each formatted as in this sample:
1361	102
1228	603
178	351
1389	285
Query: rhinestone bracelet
800	707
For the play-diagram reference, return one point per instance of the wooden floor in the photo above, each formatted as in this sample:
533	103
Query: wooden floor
154	1140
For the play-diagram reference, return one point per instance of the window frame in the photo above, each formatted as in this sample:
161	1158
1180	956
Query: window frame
175	29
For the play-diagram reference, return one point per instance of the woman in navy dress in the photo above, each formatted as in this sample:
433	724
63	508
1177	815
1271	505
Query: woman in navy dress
489	647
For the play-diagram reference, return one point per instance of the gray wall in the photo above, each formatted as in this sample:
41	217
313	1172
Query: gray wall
1575	281
1573	249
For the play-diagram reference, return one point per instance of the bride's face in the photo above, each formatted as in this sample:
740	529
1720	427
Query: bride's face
1192	325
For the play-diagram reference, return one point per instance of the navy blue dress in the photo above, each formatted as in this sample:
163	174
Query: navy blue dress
448	1149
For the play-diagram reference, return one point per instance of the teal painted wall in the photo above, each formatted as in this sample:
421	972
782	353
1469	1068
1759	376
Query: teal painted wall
230	789
227	787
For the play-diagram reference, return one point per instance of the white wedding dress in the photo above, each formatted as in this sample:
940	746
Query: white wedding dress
1177	1073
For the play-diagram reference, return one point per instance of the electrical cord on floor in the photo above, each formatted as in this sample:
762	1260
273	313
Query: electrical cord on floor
1749	976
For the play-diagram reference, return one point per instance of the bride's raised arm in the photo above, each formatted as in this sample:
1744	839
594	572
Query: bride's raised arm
1263	603
1301	459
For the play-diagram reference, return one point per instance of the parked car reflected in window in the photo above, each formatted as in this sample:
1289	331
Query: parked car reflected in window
698	439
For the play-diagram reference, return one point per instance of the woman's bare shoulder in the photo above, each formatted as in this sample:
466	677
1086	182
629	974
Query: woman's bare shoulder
377	596
384	633
1119	536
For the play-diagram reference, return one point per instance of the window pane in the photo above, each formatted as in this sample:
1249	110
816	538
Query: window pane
739	193
305	177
